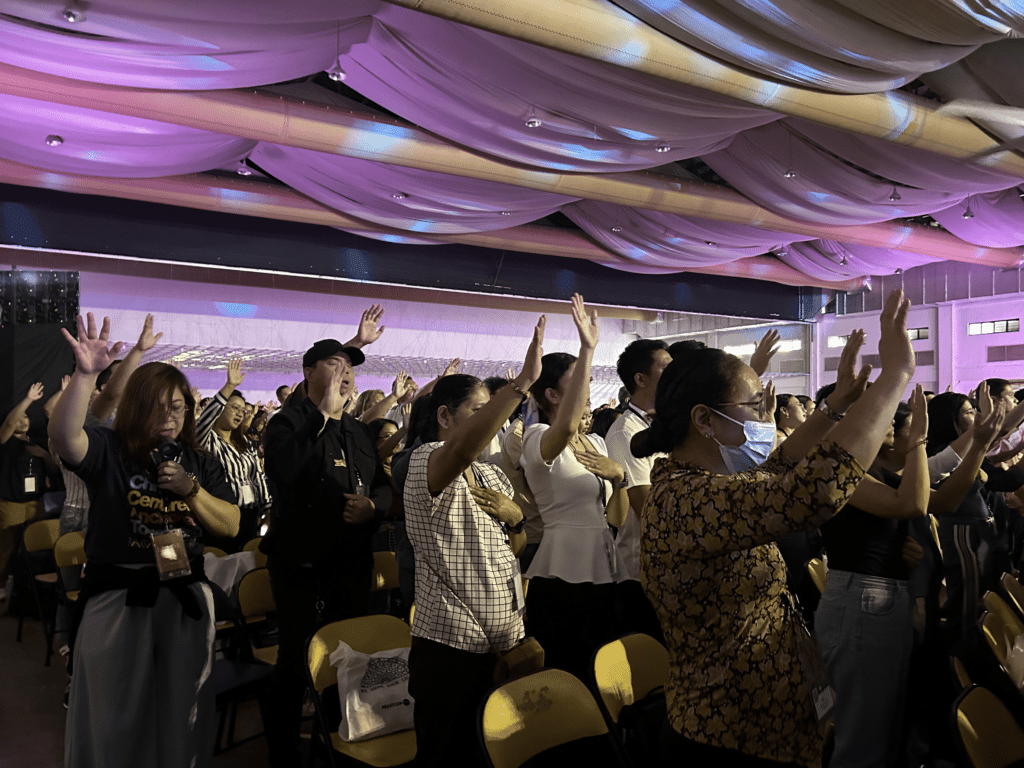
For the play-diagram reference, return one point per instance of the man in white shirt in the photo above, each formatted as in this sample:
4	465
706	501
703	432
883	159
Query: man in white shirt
639	366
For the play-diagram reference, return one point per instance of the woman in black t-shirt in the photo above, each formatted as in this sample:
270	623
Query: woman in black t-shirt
141	692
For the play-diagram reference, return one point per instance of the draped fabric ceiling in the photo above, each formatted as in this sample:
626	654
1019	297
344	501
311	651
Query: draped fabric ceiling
538	109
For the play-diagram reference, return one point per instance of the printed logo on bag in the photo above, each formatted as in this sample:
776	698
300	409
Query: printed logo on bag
540	704
384	672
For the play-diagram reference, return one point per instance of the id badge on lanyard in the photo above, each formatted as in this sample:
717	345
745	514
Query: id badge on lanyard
30	479
171	556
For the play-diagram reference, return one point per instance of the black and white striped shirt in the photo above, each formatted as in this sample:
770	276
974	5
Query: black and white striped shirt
243	469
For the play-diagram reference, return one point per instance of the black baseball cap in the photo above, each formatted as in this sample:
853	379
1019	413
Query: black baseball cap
328	348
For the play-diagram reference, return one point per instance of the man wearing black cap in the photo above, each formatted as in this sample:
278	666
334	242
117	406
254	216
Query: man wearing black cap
330	493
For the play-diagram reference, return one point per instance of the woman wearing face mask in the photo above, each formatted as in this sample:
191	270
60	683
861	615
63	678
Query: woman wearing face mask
743	676
579	491
141	693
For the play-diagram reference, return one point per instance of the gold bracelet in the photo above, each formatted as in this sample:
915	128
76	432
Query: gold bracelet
922	441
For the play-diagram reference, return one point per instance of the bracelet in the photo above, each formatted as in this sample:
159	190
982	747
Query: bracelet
518	389
623	483
922	441
829	411
518	527
196	487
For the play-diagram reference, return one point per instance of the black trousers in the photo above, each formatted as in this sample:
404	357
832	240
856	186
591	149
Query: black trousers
297	592
447	685
677	751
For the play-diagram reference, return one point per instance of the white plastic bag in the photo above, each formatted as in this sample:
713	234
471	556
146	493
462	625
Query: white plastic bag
374	692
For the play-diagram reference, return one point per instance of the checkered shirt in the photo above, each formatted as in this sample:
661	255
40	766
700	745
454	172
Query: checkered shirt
465	570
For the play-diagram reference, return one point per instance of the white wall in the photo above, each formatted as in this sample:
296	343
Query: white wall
961	361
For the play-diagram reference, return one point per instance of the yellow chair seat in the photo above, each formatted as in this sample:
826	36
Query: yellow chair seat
393	749
267	655
73	595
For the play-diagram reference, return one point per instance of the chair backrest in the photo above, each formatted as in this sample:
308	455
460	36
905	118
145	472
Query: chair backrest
961	677
628	669
1007	626
41	535
385	571
253	545
215	551
366	634
69	549
255	597
1014	591
525	717
988	733
819	571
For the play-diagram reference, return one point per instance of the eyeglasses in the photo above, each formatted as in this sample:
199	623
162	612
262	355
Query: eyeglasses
177	410
235	408
755	405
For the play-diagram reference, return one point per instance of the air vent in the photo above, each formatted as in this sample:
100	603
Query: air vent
792	366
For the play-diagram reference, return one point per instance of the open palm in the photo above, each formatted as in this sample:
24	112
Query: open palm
92	351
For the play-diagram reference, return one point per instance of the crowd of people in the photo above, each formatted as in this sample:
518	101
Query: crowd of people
687	511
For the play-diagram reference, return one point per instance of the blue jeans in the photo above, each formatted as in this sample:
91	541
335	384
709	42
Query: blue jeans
865	627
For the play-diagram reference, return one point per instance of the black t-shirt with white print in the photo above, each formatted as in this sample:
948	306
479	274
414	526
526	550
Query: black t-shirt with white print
127	507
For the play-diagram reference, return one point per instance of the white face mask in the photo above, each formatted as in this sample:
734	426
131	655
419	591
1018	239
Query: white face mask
759	443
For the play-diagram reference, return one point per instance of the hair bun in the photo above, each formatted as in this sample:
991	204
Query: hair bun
650	441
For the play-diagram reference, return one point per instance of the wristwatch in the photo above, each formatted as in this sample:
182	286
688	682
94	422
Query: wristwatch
518	527
829	411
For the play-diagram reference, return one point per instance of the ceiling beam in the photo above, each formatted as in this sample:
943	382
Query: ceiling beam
251	197
599	30
294	122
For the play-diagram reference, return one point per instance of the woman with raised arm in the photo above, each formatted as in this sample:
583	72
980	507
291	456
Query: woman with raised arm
744	685
466	531
141	693
579	491
221	430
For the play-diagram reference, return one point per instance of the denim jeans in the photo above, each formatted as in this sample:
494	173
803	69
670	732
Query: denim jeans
865	627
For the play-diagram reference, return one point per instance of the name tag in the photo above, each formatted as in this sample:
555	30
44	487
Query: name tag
515	585
30	484
170	554
247	498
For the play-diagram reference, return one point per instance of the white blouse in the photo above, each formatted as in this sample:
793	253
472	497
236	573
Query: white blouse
577	545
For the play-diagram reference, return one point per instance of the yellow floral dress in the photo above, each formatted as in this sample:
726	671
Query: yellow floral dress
718	583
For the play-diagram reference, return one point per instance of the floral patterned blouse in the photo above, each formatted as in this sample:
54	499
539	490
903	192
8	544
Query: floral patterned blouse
718	583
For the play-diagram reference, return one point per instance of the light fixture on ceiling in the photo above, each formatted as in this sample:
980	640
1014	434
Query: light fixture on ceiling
789	174
533	122
895	195
53	140
662	147
898	271
968	214
843	262
336	73
506	213
243	169
616	229
709	242
73	13
659	318
399	195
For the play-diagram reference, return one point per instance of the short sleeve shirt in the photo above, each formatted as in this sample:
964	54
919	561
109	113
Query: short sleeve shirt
126	506
466	574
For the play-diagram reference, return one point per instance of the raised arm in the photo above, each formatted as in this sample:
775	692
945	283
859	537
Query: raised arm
468	440
92	355
214	408
400	390
107	400
912	496
765	351
368	332
948	496
35	392
574	400
50	404
449	370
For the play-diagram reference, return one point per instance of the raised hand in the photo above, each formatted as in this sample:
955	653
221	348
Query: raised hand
987	427
195	394
770	402
894	349
984	400
92	354
918	416
64	381
452	368
146	339
400	387
333	402
765	351
850	385
585	324
35	392
368	331
534	353
235	374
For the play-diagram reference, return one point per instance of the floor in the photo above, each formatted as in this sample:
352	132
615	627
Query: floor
32	712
